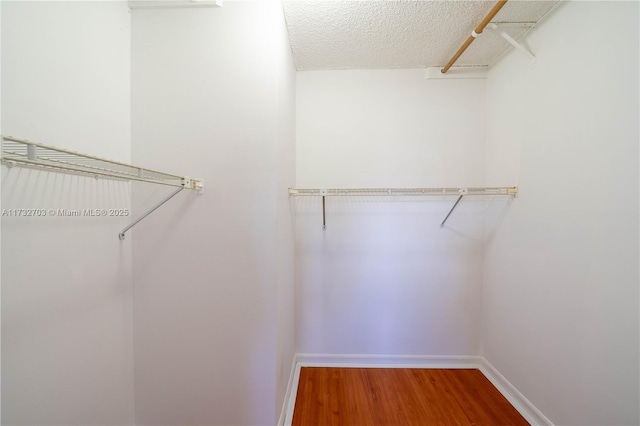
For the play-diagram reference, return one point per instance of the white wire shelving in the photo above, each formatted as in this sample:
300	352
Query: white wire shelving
507	190
21	152
24	152
511	191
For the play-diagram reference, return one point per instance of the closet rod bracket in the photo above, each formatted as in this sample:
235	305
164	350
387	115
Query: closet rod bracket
121	235
324	193
463	192
512	42
324	216
189	183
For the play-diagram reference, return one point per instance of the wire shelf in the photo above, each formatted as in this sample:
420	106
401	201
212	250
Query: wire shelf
511	191
23	152
30	154
507	190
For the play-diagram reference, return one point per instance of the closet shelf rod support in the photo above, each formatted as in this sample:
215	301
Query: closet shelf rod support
512	42
452	209
154	208
324	216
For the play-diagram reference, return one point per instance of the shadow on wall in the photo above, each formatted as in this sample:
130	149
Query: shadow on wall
31	187
66	287
52	223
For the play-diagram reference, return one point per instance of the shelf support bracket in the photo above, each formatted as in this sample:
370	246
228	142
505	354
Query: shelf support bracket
324	216
462	194
154	208
512	42
324	193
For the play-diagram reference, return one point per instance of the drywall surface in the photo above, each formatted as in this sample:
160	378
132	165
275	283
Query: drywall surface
211	97
561	273
286	178
0	225
66	281
384	278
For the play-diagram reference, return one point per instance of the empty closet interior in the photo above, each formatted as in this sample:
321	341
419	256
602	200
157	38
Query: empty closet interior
199	197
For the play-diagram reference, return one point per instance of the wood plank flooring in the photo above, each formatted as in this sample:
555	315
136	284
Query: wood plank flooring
399	396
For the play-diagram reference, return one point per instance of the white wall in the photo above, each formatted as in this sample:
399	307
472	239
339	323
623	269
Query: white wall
561	273
0	225
384	278
66	282
286	169
212	93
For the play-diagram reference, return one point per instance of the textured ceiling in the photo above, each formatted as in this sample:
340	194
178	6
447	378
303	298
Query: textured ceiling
399	34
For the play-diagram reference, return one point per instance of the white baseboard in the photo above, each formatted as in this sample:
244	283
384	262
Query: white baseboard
388	361
522	404
291	393
513	395
290	403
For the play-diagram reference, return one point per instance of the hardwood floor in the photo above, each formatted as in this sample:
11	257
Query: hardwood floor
399	396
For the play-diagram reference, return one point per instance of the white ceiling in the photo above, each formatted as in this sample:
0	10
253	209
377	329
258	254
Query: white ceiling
399	34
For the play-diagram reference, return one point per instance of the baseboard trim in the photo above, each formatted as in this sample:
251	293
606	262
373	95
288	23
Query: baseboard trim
522	404
529	411
287	395
290	403
387	361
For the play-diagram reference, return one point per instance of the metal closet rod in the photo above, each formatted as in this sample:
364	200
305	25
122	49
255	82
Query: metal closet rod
460	192
492	13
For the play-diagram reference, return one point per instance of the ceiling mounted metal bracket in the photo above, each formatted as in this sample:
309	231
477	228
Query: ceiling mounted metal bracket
512	41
